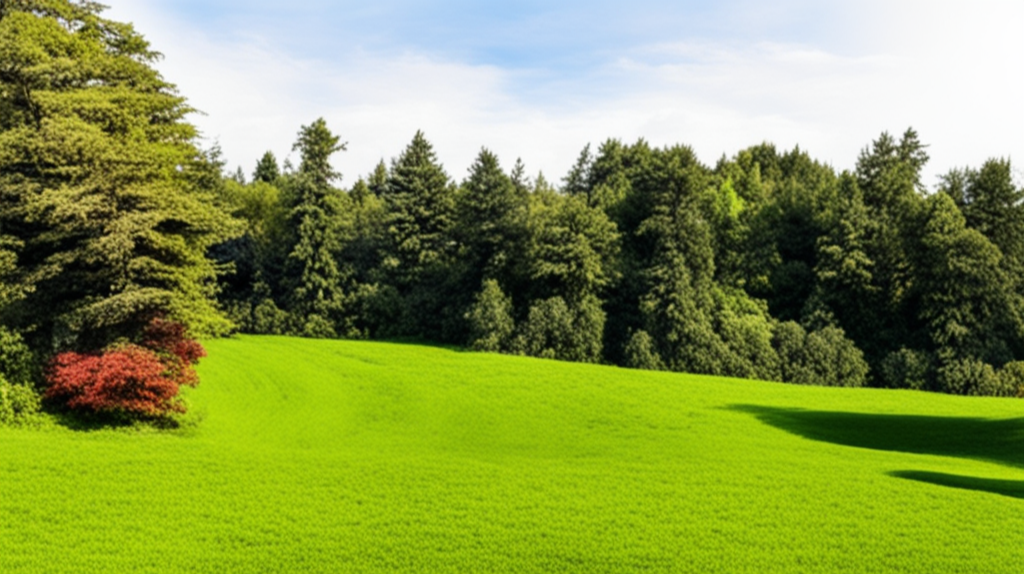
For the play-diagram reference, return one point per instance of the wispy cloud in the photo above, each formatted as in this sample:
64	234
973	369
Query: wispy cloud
947	72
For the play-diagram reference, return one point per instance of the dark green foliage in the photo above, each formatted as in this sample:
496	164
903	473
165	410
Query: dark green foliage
822	357
490	229
964	289
1011	378
967	377
266	169
419	215
641	354
555	330
907	369
318	297
491	325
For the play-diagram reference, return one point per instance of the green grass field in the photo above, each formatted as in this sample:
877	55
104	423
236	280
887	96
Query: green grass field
335	456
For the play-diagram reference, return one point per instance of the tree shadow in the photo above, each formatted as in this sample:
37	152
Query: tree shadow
999	441
1011	488
92	422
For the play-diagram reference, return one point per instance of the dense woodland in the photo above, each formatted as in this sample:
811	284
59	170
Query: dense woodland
119	233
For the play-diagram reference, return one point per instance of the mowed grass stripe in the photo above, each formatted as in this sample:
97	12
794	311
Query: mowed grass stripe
333	456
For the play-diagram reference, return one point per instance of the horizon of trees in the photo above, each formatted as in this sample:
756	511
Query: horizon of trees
766	265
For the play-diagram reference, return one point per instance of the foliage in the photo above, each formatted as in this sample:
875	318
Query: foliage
419	207
907	369
641	354
102	188
18	402
318	296
490	319
128	379
17	361
768	264
555	330
822	357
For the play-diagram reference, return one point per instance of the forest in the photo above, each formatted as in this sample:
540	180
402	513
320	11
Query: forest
123	240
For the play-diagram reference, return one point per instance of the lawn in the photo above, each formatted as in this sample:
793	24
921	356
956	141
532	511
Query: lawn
333	456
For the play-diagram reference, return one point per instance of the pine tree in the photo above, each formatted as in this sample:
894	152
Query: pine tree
419	204
318	295
101	183
266	169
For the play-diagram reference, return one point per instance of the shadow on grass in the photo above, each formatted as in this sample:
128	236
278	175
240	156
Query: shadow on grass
998	441
1011	488
96	422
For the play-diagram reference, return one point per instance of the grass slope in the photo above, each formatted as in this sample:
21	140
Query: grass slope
333	456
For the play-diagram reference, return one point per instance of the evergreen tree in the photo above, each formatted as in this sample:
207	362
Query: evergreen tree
266	169
993	205
101	184
318	296
419	216
491	221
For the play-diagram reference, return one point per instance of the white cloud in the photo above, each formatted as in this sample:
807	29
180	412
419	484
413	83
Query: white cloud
947	72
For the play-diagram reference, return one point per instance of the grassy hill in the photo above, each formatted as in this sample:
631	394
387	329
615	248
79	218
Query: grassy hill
334	456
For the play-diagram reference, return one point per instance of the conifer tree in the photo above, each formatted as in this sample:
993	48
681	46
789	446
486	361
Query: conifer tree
101	183
266	169
419	204
318	295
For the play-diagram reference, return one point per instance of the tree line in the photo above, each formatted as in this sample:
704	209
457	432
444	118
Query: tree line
767	264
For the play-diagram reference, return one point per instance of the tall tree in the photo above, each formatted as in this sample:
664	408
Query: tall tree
318	294
419	203
101	182
491	222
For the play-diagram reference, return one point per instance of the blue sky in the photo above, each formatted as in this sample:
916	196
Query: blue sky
538	80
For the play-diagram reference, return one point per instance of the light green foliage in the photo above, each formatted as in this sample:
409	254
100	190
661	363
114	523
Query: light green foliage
18	403
491	325
101	184
326	455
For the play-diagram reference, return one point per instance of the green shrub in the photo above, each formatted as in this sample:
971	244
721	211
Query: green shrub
17	402
490	319
554	330
17	363
967	377
1011	378
823	357
906	369
641	354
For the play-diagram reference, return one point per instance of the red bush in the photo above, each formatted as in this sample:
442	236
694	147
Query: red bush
130	379
177	352
169	337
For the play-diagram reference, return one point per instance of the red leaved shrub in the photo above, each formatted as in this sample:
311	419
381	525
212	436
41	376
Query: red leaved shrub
177	352
128	379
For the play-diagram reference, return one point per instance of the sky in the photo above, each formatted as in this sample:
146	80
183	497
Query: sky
538	80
